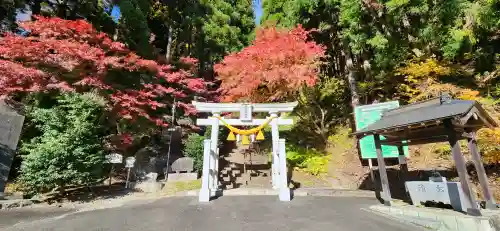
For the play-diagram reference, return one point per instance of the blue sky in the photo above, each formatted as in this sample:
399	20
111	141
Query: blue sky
257	8
115	12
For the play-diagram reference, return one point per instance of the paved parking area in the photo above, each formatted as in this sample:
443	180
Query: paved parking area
230	213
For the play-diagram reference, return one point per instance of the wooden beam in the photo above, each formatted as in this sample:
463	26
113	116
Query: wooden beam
386	192
417	133
235	107
397	142
474	112
481	173
461	169
238	122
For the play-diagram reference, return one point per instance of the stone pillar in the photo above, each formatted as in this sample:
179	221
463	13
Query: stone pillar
217	157
275	161
205	191
214	137
283	178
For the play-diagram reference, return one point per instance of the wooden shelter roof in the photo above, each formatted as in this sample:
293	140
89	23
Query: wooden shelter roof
423	122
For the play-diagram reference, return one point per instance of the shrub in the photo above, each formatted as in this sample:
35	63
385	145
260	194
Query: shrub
68	149
193	147
307	160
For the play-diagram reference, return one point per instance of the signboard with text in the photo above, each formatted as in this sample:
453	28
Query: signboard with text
114	158
129	162
366	115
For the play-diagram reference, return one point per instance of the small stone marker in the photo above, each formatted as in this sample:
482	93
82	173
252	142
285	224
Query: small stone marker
152	176
129	162
11	125
446	192
183	168
184	164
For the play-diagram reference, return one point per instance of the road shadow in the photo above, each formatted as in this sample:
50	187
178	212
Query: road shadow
90	193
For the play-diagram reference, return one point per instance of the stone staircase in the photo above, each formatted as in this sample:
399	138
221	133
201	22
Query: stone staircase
245	167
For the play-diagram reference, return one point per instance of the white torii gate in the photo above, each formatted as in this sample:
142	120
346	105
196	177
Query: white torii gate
209	186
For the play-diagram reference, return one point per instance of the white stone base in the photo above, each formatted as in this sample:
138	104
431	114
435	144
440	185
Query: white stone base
205	195
285	194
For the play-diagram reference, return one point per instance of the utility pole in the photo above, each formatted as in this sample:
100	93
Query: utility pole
171	130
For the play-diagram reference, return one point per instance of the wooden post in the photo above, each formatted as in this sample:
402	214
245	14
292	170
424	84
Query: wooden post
481	173
461	169
403	166
386	192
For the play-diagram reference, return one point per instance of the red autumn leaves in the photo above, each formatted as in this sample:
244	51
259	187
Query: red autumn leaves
274	67
72	56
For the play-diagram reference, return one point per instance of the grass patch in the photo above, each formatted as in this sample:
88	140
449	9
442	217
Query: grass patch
181	186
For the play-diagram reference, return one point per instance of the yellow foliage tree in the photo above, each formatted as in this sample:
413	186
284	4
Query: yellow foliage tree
422	82
489	143
421	79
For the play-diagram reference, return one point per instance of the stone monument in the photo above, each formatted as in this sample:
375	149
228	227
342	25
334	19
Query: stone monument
183	170
11	124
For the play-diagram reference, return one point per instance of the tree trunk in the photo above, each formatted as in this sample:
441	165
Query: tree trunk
62	10
62	190
351	75
168	52
36	8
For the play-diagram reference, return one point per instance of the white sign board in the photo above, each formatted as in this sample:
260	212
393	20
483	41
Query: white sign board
246	112
114	158
129	162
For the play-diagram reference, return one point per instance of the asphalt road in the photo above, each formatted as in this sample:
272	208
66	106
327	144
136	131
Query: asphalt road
230	213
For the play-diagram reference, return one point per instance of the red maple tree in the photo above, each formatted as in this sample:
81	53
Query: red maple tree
274	67
67	55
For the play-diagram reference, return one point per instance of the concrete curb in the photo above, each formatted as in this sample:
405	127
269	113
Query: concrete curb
297	193
429	225
440	220
9	204
334	192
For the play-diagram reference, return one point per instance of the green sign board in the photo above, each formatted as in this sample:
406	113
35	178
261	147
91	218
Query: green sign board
366	115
